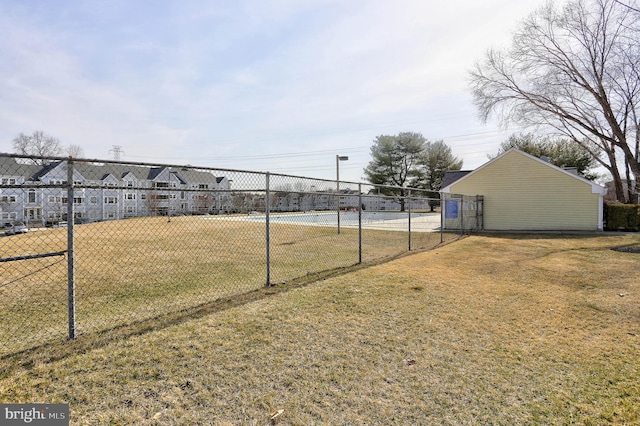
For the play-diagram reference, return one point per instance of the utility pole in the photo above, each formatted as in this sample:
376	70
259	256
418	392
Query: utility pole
116	151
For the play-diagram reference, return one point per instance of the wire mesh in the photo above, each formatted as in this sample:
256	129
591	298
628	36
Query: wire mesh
131	241
463	213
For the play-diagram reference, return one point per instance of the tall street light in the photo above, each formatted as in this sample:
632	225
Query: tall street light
339	158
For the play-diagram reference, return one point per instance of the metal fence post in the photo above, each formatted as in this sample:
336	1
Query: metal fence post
268	229
359	223
409	220
461	215
479	224
442	217
71	290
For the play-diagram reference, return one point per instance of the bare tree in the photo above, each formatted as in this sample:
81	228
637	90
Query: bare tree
635	9
75	151
38	144
575	69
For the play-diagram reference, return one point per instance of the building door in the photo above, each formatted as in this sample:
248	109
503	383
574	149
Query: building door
33	213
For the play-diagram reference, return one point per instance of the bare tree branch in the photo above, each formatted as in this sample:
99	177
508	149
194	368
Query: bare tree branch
573	69
38	144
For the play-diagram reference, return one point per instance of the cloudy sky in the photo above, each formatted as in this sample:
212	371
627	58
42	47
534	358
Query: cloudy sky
266	85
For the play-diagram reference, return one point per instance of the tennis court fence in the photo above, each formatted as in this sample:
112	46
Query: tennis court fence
89	245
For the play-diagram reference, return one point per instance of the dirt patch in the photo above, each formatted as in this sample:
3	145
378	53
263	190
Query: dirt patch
628	249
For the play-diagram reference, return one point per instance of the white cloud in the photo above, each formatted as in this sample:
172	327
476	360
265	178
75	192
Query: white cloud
193	80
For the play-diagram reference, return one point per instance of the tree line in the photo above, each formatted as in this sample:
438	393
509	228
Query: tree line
409	160
40	144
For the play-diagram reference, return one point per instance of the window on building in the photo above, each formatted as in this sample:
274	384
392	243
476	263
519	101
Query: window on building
32	195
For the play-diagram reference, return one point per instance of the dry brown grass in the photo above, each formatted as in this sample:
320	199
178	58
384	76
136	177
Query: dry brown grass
132	270
487	330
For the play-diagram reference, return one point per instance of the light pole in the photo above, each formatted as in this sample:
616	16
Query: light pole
339	158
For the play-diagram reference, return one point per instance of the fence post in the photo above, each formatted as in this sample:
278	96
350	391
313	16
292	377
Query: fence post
267	204
442	217
359	223
479	217
71	289
461	214
409	220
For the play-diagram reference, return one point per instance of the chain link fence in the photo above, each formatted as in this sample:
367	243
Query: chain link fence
89	245
463	213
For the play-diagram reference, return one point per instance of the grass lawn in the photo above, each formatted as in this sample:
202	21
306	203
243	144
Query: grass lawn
486	330
135	269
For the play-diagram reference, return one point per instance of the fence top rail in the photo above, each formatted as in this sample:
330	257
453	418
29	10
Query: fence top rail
97	161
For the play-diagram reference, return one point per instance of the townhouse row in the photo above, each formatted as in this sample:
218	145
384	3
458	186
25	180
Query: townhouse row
105	191
32	193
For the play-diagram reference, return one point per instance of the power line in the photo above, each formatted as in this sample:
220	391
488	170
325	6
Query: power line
453	140
116	151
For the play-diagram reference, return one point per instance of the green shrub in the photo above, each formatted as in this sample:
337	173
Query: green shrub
623	217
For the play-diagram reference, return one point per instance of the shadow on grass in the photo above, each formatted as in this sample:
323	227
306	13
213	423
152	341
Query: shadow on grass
634	248
542	235
58	350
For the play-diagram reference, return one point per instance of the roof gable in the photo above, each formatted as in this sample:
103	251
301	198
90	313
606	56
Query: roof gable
45	170
451	176
595	188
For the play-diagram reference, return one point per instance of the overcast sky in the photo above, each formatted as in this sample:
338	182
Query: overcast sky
266	85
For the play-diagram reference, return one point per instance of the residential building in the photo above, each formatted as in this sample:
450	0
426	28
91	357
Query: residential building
32	193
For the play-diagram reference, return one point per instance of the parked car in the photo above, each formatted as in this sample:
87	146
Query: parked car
16	228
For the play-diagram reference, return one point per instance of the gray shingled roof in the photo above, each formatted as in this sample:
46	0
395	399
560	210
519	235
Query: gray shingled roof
9	166
39	171
98	172
453	175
